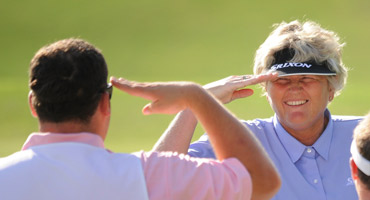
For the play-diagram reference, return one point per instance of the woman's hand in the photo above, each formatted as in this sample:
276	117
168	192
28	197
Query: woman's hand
232	87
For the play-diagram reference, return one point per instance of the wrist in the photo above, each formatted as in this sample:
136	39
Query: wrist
197	96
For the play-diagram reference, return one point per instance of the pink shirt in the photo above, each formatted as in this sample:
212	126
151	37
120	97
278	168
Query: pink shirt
169	175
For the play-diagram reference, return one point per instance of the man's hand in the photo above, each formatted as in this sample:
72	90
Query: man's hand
231	88
167	98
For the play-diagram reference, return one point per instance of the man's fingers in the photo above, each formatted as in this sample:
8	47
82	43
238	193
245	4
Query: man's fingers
133	88
122	84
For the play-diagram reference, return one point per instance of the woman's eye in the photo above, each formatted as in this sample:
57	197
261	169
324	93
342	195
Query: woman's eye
282	81
307	79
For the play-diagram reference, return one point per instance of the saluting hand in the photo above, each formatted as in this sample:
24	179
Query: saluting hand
232	87
166	97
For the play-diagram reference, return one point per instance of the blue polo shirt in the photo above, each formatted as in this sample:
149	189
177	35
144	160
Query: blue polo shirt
319	172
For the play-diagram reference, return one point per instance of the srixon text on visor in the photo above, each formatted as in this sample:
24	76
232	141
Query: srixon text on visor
279	66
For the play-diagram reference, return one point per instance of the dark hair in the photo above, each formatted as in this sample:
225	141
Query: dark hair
362	138
363	177
67	79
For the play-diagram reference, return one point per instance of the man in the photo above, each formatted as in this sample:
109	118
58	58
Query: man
66	159
360	160
307	144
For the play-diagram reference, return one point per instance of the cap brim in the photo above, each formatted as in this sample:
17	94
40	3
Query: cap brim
282	74
291	69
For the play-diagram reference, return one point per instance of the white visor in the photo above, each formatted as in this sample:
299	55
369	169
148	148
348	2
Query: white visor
362	163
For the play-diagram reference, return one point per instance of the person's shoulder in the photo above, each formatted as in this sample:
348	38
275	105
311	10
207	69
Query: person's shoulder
146	155
119	157
15	159
153	158
161	155
258	122
343	127
346	118
262	128
346	123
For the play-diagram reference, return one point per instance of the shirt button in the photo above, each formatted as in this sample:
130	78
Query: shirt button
315	181
309	150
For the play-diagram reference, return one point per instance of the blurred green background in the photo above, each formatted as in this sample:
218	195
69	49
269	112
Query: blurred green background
164	40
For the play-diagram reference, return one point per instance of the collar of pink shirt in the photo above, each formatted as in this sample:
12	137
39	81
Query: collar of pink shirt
36	139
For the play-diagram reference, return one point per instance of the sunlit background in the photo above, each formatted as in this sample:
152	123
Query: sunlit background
167	40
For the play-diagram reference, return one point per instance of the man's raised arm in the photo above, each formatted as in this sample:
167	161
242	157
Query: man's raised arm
229	137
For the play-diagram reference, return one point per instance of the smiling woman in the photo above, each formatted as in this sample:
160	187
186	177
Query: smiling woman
300	101
308	145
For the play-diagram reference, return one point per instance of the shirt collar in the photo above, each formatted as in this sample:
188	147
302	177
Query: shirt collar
295	148
36	139
322	145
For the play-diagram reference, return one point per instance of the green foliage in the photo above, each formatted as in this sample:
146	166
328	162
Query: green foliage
166	40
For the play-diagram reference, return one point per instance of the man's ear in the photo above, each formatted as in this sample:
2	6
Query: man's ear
354	169
104	104
33	111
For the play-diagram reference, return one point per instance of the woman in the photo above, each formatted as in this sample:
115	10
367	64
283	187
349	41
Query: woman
308	145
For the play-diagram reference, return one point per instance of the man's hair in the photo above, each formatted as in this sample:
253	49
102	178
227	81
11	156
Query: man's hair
310	42
362	138
67	79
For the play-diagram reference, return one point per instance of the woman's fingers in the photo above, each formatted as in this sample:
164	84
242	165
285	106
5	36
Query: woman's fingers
241	94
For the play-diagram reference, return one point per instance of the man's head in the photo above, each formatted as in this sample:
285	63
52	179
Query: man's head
360	150
300	43
67	79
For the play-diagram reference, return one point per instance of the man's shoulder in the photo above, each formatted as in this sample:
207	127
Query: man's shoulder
16	159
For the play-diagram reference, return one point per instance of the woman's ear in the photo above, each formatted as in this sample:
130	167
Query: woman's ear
30	103
331	93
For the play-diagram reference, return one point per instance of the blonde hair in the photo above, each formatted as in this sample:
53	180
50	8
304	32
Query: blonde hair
309	42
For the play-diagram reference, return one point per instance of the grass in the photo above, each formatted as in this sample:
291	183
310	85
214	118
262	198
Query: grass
166	40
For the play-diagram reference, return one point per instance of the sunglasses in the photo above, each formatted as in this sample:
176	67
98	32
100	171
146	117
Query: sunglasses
109	89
